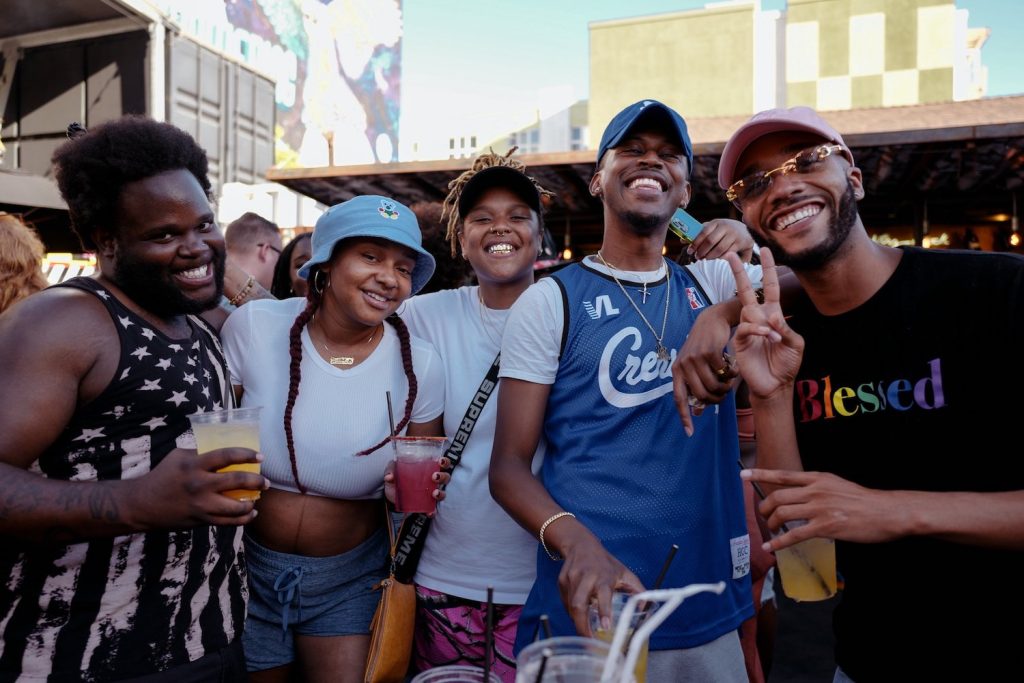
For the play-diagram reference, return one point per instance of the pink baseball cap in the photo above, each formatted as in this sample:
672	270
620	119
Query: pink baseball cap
763	123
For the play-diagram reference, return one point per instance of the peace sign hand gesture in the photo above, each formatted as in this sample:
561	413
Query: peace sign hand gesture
768	350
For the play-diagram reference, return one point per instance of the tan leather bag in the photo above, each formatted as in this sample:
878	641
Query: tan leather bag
391	631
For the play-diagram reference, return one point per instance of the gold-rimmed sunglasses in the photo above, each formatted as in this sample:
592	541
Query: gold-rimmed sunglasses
755	184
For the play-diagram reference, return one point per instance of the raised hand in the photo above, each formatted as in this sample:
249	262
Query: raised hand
767	349
721	236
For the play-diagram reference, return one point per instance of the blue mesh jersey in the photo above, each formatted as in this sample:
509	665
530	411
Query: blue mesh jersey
619	460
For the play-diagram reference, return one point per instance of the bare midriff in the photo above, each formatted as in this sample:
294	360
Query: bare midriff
314	526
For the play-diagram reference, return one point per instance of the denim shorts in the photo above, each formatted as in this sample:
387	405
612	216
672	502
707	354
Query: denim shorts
309	596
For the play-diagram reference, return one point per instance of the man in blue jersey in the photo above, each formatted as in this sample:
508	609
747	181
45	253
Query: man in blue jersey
586	360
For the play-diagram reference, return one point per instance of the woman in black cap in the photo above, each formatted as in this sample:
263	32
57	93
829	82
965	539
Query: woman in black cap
495	219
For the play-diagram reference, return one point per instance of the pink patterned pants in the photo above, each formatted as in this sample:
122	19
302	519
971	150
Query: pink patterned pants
450	630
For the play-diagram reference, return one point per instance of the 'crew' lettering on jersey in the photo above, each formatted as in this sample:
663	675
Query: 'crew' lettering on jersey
818	399
601	306
635	371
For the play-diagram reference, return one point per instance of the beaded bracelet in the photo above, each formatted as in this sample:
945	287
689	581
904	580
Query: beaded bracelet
243	292
543	528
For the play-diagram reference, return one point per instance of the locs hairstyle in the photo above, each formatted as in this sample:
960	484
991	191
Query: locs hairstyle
93	167
450	208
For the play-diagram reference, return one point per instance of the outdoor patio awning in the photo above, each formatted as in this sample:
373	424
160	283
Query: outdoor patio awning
961	160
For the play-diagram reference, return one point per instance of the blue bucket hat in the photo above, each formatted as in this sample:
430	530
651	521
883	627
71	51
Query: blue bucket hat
370	216
626	119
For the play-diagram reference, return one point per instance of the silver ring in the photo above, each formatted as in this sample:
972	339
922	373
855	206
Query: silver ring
695	402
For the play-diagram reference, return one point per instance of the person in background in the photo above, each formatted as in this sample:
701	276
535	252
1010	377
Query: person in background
21	261
495	222
320	367
121	557
286	282
586	362
254	245
879	419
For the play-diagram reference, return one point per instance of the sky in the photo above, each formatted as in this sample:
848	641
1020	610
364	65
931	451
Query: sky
493	62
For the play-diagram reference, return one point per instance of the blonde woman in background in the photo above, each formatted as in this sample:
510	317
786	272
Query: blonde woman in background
21	261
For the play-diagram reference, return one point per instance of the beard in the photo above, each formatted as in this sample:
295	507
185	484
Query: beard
843	219
152	288
644	223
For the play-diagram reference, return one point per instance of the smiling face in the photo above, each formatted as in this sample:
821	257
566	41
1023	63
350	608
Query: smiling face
500	237
643	179
368	279
805	218
167	252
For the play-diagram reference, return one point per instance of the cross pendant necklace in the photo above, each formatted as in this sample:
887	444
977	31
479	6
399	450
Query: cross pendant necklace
659	349
644	294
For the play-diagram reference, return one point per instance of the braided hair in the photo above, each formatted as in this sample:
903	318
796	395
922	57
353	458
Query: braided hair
313	301
450	208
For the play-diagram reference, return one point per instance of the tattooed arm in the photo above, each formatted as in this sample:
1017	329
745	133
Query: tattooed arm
58	351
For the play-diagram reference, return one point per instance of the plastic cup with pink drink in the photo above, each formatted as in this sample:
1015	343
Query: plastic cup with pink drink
417	458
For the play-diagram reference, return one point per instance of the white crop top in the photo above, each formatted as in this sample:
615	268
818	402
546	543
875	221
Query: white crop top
337	412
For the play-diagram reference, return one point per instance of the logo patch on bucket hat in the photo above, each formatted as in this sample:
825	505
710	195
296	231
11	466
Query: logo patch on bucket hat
388	209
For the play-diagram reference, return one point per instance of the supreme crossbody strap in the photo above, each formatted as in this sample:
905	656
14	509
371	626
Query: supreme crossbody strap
413	534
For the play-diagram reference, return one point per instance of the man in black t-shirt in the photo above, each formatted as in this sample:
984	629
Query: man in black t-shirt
883	414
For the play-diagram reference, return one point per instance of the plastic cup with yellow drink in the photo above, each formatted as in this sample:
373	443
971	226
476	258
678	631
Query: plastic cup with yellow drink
230	428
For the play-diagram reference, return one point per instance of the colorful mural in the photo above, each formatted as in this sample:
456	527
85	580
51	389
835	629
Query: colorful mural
337	64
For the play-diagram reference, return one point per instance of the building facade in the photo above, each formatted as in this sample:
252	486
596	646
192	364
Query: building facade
734	59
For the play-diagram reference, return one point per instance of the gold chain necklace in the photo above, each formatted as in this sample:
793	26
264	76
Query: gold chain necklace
341	360
662	352
484	320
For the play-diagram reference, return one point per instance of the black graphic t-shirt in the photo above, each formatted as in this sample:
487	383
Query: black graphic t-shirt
918	389
129	605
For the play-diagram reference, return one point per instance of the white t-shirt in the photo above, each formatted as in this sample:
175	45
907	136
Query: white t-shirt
338	412
533	338
472	543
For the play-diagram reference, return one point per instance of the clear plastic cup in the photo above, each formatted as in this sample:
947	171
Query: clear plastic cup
619	600
572	659
455	674
417	459
230	428
807	569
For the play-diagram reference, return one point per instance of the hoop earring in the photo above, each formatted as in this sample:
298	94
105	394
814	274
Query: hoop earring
318	283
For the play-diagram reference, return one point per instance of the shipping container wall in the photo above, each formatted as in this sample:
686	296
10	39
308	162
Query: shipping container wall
89	81
229	109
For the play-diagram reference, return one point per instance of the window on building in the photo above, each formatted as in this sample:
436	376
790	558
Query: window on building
472	141
535	136
451	143
577	133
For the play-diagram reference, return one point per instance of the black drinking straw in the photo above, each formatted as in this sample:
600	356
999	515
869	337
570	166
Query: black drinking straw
657	584
391	420
489	634
545	625
544	656
664	569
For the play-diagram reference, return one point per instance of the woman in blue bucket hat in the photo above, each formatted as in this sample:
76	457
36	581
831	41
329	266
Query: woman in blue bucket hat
320	368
